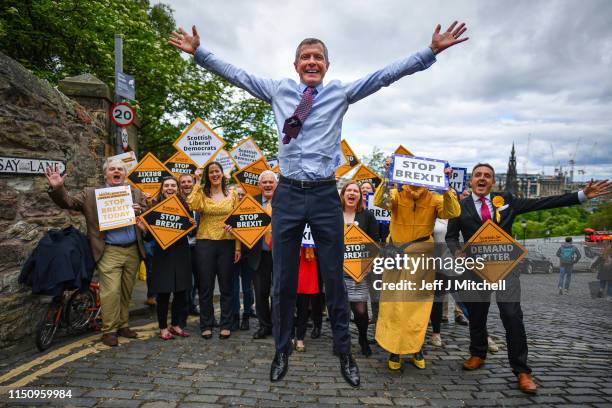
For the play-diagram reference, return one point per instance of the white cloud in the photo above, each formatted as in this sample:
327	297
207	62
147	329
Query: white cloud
537	71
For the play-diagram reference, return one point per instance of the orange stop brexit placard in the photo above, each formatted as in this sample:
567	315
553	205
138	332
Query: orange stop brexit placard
500	252
366	174
348	161
180	163
402	150
168	221
147	175
249	221
359	252
248	177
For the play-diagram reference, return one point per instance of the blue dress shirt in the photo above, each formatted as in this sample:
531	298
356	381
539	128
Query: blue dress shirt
316	152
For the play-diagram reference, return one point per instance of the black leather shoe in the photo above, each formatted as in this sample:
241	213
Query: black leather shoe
280	364
349	369
244	325
461	320
262	333
315	333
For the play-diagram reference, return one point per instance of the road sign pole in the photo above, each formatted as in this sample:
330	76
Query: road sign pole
118	68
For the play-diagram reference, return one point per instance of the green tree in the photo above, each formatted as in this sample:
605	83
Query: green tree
376	160
56	39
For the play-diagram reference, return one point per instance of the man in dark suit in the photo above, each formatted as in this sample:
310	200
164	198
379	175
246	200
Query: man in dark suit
477	208
259	260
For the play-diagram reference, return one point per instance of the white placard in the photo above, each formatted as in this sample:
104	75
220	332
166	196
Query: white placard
458	180
114	207
419	171
307	240
199	142
129	159
226	161
382	216
246	152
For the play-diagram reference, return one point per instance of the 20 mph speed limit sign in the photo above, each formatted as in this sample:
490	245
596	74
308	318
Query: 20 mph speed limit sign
122	114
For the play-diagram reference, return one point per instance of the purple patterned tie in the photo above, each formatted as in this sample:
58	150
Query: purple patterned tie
293	125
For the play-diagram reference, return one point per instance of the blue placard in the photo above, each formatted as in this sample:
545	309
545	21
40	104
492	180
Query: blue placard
459	179
425	173
382	216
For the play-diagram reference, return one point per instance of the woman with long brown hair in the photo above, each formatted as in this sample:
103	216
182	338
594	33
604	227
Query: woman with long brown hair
216	249
354	213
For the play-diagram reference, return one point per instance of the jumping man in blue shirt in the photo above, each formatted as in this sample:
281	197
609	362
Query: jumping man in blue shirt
309	116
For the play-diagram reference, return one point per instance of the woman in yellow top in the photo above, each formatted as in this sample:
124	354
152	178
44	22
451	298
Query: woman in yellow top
403	316
216	249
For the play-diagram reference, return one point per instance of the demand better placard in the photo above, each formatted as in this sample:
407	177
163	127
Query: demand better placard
168	221
419	171
248	177
500	251
114	206
359	252
249	221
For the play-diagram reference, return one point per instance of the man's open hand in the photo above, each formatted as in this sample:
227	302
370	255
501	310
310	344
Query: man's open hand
440	42
597	188
54	177
185	42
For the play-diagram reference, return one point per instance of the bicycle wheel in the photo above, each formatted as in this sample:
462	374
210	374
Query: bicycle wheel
80	309
48	324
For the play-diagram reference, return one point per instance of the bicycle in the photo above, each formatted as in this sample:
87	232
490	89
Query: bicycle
76	310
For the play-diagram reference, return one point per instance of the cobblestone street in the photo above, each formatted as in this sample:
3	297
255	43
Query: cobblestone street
569	336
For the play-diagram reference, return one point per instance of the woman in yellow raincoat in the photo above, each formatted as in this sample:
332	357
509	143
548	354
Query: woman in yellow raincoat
403	315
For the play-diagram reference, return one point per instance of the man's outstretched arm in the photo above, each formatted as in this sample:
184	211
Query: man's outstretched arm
260	88
419	61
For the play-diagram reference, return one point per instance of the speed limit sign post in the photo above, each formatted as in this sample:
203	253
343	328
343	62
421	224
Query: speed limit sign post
122	114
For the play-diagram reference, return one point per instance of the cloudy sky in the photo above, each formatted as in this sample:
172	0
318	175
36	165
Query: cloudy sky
536	73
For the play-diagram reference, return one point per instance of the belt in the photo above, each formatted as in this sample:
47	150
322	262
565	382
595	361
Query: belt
307	183
121	245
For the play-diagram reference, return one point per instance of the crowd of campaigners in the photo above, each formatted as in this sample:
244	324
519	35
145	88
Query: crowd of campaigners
188	270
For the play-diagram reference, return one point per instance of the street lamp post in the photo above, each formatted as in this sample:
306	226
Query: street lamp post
524	225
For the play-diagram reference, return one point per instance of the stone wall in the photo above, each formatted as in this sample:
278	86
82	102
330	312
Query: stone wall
38	121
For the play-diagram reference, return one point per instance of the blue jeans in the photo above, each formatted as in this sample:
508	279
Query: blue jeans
243	274
565	276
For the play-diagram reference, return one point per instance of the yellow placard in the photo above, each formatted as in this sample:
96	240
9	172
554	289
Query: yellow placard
248	178
114	206
359	252
364	173
179	163
402	150
501	252
168	221
350	159
249	221
148	174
